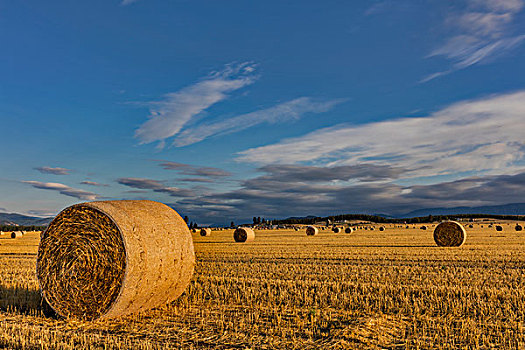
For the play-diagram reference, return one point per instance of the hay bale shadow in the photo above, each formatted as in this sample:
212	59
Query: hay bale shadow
25	301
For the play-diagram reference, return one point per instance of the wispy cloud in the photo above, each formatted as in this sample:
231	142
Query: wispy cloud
42	212
188	169
156	186
93	183
176	109
53	171
63	189
479	135
291	110
481	33
128	2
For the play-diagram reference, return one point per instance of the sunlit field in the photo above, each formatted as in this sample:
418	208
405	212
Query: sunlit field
391	289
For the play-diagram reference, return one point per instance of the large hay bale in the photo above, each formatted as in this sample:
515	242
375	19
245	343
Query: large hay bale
311	231
102	260
381	228
450	234
499	228
16	234
518	227
205	232
243	234
336	230
349	230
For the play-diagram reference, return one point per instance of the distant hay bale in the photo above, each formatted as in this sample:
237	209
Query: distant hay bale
450	234
470	226
243	234
16	234
381	228
102	260
193	230
423	227
205	232
349	230
499	228
518	227
372	228
312	231
336	230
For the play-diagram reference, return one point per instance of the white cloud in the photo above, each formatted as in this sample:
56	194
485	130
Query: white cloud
481	33
290	110
63	189
483	135
176	109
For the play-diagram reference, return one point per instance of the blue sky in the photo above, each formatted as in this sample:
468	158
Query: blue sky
233	109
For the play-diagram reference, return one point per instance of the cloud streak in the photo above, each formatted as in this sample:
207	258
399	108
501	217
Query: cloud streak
480	135
53	171
93	183
63	189
168	116
188	169
481	33
156	186
291	110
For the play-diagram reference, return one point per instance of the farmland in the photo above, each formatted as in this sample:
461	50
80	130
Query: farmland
390	289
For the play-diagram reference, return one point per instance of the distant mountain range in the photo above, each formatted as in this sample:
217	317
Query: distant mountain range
22	220
505	209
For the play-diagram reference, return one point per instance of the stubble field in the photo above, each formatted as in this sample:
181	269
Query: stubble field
392	289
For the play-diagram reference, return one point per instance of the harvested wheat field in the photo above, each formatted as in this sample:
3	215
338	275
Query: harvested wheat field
392	289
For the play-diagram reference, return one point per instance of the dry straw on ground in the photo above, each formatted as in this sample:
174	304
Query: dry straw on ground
312	231
450	234
205	232
108	259
243	234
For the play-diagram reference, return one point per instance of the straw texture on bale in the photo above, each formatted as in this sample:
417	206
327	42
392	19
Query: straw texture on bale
243	234
16	234
349	230
312	231
499	228
107	259
518	228
450	234
205	232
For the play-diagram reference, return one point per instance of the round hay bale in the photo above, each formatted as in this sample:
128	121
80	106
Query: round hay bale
381	228
450	234
499	228
336	230
243	234
423	227
205	232
193	230
470	226
107	259
349	230
518	227
372	228
16	234
311	231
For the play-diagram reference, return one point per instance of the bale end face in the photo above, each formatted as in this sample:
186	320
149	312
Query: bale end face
243	234
450	234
